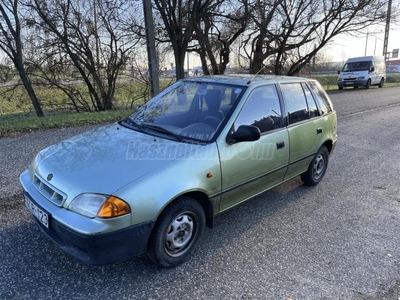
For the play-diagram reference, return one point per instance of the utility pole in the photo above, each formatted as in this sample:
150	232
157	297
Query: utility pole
151	48
387	28
96	36
366	43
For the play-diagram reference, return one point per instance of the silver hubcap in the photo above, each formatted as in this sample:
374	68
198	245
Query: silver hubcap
319	166
179	234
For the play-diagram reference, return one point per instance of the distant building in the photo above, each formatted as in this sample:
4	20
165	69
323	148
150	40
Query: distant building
393	66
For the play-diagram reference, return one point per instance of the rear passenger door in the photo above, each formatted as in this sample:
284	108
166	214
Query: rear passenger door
304	127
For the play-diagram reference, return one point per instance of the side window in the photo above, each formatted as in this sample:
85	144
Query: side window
262	109
295	102
312	107
321	97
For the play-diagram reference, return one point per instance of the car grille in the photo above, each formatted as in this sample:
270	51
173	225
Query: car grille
350	79
48	191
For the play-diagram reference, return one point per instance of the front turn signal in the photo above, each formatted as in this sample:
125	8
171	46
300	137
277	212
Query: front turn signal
113	207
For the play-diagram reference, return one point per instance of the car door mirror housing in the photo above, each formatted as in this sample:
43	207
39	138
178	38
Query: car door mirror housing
245	133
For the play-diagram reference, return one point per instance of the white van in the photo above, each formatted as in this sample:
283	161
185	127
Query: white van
363	71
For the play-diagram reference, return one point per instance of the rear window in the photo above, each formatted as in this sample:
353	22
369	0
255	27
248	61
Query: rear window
322	98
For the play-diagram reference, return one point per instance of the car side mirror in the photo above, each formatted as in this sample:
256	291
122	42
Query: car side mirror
244	133
338	72
372	69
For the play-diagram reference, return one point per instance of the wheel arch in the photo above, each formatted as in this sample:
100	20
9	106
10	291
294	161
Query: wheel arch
202	199
328	144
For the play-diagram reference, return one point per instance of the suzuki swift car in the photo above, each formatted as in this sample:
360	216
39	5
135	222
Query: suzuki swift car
153	182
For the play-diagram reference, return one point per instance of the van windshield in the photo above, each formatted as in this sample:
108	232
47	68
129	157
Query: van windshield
357	66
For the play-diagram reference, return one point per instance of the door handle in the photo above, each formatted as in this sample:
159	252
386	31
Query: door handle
319	130
280	145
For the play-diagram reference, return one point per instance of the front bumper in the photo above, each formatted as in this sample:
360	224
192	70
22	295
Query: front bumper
352	83
93	241
103	248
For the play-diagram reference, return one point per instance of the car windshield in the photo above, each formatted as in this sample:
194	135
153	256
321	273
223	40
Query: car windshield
357	66
188	110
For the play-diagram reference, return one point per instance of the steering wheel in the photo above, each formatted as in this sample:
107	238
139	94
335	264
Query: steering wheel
212	121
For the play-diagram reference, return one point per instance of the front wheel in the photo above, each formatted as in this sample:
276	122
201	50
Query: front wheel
317	168
381	83
368	84
177	232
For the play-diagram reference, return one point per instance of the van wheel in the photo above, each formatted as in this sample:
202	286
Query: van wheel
317	168
381	83
340	87
368	84
176	233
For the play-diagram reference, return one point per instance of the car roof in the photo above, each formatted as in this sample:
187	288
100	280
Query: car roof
247	79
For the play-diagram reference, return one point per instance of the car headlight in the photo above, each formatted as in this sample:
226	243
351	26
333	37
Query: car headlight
339	79
361	78
102	206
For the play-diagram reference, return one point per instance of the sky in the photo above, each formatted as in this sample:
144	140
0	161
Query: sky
346	46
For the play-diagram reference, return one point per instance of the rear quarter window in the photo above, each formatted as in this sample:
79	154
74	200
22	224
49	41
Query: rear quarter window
321	97
312	106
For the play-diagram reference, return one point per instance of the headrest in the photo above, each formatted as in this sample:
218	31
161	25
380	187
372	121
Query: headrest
213	99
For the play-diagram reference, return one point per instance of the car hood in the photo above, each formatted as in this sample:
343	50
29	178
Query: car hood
104	160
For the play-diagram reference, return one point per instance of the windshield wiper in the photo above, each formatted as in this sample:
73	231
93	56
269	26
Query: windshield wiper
128	121
131	121
160	129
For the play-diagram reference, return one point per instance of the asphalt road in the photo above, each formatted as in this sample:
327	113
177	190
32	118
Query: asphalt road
339	240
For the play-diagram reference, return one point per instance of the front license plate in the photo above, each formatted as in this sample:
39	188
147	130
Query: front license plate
42	216
349	82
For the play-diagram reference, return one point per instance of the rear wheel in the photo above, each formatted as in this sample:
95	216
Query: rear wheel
381	83
340	87
368	84
177	232
317	168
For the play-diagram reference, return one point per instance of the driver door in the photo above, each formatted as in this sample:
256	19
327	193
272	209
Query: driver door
249	168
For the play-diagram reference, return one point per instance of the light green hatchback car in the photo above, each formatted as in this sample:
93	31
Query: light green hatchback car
153	182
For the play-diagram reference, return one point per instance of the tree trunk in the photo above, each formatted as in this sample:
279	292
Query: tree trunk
28	86
180	63
257	63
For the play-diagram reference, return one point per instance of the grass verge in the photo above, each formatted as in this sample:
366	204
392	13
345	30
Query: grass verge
11	125
14	124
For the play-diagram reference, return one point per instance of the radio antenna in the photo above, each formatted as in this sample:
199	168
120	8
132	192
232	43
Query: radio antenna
262	68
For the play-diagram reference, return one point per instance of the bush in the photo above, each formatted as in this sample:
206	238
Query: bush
393	78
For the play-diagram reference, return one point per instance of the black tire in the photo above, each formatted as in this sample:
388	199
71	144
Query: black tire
176	233
367	86
355	87
381	83
340	87
317	168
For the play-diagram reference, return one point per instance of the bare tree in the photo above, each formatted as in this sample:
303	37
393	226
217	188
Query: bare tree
91	36
220	25
283	29
180	18
11	44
